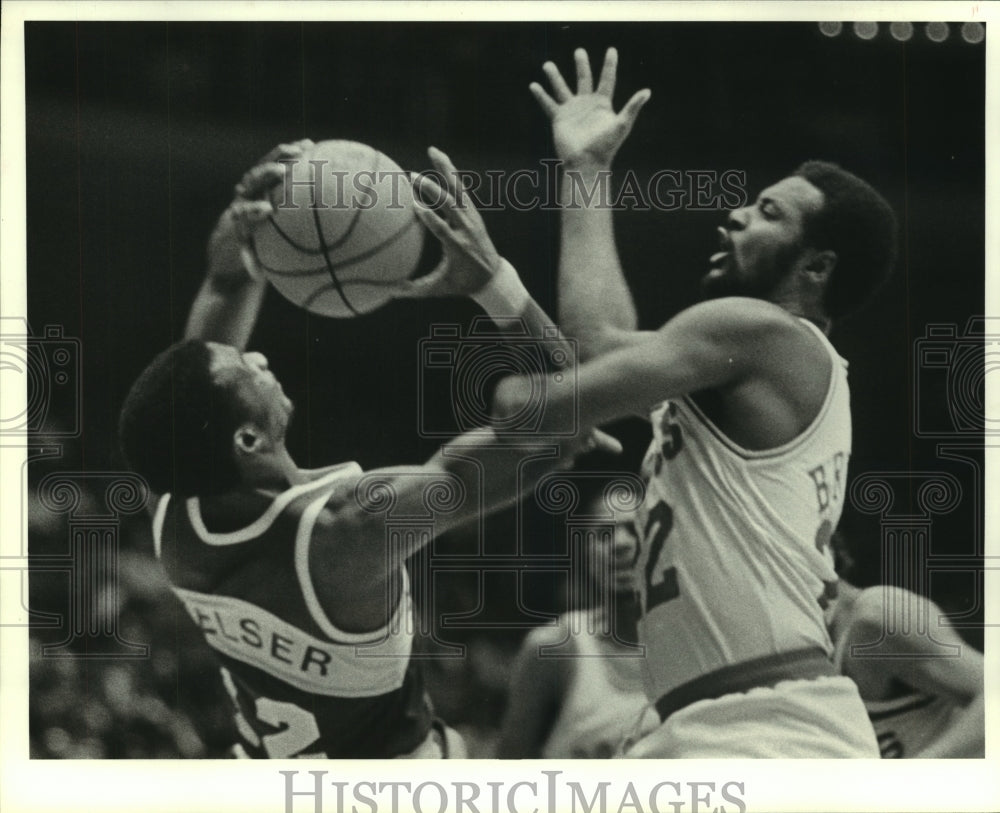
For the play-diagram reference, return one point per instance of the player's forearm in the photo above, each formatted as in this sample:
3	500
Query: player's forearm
500	470
964	737
508	303
225	312
594	299
470	477
620	383
226	307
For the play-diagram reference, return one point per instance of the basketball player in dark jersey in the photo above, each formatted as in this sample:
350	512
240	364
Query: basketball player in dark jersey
292	575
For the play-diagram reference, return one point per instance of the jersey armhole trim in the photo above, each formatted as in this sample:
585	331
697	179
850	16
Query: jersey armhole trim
158	519
265	520
303	538
750	455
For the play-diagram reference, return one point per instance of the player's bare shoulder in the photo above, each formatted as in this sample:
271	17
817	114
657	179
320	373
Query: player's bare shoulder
738	313
752	330
758	339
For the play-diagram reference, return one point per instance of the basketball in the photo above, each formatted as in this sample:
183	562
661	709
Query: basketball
343	231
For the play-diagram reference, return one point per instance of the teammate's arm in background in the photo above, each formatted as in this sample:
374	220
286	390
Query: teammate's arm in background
228	302
918	663
595	304
534	696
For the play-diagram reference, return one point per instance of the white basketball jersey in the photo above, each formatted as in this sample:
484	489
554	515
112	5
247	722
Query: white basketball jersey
604	701
735	561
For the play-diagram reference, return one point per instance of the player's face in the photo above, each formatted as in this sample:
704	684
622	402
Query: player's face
760	244
259	393
617	558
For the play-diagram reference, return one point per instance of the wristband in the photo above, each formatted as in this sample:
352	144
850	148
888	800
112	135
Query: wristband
504	294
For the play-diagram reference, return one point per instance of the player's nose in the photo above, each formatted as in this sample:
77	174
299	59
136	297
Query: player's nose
737	219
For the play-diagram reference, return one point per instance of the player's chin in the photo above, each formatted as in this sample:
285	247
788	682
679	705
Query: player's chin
719	282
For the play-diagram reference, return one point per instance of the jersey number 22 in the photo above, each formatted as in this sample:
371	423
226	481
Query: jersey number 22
660	586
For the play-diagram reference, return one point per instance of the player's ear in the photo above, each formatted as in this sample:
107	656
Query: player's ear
248	439
820	265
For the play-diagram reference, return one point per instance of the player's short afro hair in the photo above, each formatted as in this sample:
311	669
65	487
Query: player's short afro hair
176	426
859	226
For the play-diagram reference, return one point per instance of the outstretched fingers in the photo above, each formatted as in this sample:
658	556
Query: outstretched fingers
584	79
443	164
434	204
609	73
630	112
560	89
547	103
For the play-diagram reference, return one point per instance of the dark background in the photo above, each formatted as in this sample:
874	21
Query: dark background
136	134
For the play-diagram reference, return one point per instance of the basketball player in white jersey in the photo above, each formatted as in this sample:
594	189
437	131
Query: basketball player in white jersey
297	586
751	422
584	697
921	683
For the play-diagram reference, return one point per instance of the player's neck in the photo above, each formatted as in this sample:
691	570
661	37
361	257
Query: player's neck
811	312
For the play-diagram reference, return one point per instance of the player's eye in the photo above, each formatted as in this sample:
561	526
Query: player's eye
768	209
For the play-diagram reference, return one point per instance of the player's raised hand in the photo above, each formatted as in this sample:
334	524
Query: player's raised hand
469	256
585	126
250	205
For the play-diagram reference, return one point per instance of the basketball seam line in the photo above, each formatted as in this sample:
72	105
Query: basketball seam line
329	266
326	250
323	247
364	255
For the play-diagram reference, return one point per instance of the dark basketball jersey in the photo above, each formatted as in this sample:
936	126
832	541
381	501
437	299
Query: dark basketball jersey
300	686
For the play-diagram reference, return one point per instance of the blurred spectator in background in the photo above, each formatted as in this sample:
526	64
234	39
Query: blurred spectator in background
576	691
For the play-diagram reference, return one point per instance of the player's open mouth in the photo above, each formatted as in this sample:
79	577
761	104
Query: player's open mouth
720	259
